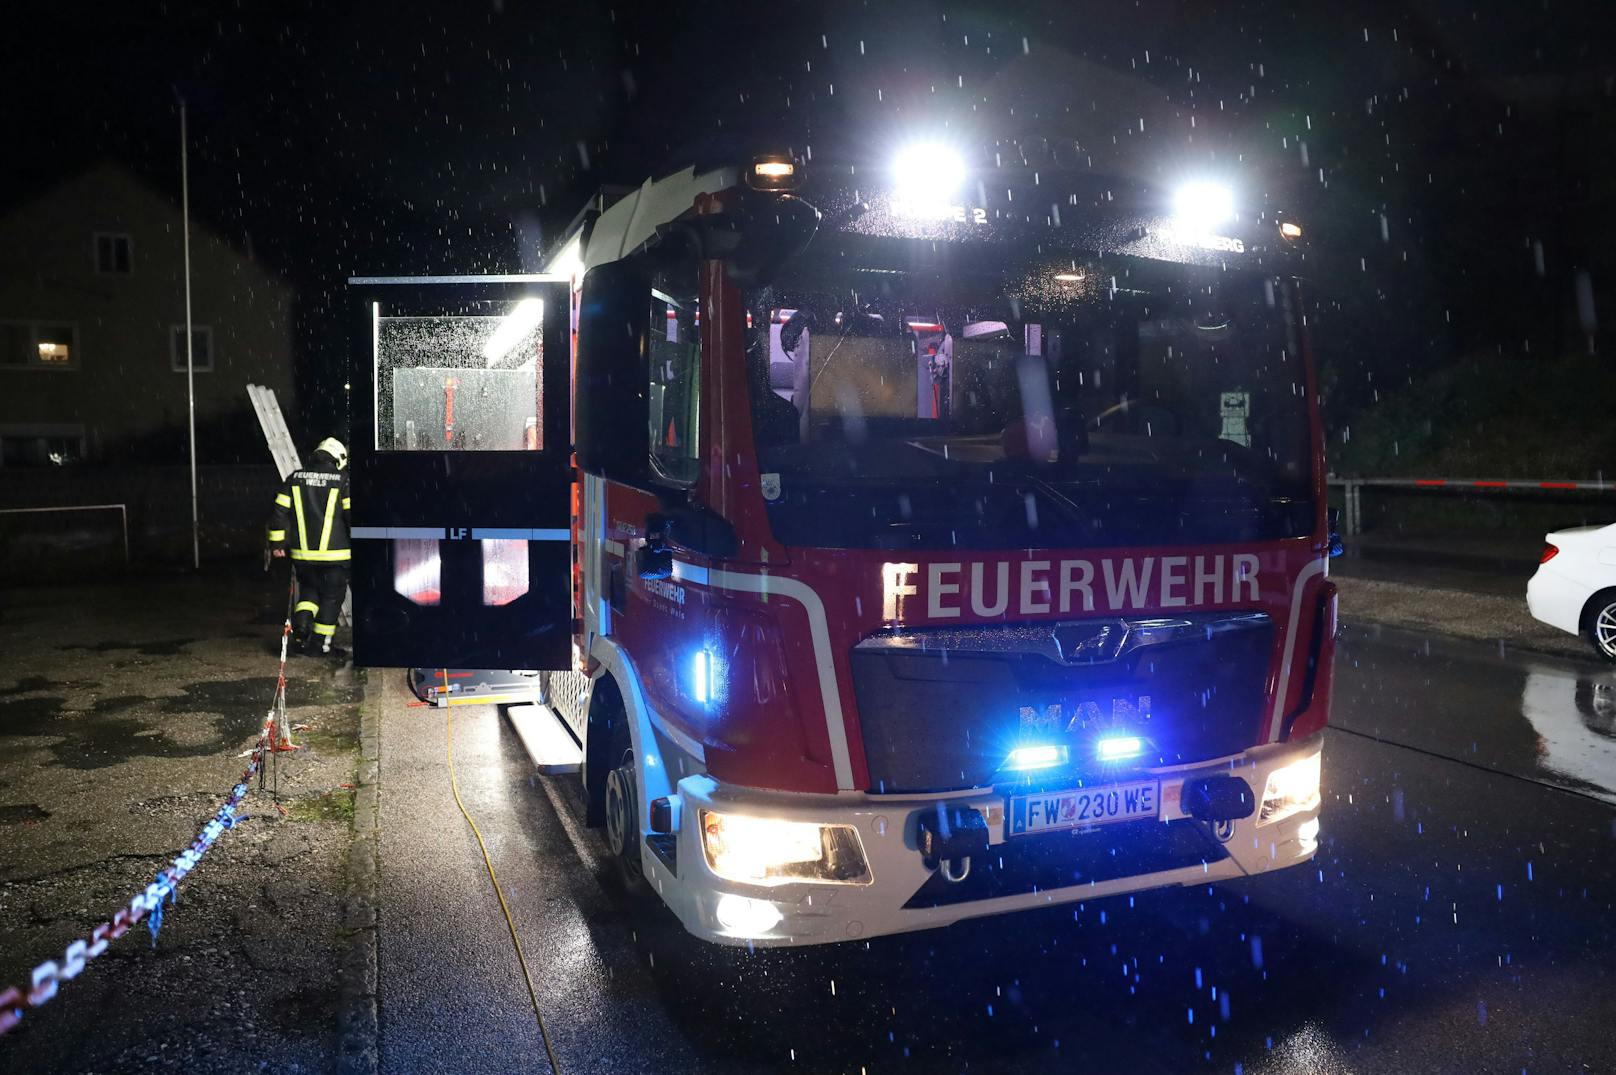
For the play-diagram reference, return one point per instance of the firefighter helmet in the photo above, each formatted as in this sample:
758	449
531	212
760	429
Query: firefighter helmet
333	447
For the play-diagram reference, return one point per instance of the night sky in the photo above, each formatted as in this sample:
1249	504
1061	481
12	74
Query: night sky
1430	144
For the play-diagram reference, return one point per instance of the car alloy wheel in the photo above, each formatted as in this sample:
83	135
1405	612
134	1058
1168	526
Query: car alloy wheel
1604	631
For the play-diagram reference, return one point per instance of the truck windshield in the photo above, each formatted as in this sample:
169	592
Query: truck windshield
934	396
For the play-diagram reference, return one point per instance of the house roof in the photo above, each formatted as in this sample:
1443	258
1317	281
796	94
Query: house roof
23	188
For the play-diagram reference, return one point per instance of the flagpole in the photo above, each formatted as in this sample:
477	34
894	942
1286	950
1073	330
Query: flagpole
190	334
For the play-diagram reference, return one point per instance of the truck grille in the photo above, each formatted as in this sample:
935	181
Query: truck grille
940	709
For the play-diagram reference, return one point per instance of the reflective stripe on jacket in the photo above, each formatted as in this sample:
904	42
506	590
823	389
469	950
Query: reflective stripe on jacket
310	520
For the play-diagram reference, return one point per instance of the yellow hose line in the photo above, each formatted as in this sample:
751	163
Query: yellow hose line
454	786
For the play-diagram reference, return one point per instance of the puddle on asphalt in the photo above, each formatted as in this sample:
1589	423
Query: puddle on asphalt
31	685
164	648
1575	720
1553	723
105	734
22	814
31	716
119	703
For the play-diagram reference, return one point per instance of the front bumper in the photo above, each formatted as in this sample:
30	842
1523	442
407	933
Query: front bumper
905	895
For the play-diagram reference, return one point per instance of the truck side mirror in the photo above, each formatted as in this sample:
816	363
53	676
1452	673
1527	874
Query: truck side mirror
689	526
612	398
1333	517
655	558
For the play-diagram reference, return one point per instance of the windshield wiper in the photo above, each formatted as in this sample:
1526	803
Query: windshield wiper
1051	492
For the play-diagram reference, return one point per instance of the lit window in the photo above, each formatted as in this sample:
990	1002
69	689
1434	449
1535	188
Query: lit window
54	344
38	345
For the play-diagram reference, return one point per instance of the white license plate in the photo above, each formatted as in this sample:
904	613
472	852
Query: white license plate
1077	808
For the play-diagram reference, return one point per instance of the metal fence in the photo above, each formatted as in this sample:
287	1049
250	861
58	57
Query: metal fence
56	521
1352	489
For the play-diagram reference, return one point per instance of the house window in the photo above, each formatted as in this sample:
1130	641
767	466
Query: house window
41	445
201	348
113	253
51	345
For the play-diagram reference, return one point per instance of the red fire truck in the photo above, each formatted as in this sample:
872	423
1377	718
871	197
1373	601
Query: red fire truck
897	544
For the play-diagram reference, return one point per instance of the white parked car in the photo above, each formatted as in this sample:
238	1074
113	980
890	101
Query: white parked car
1575	585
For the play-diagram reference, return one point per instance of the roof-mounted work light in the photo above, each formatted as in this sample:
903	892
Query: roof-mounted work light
927	175
1199	208
773	171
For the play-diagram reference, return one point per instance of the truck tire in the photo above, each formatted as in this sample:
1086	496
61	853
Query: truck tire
622	808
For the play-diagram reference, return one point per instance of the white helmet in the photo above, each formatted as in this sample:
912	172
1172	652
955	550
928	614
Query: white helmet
333	447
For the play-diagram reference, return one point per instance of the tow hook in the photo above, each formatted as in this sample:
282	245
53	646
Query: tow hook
1219	801
948	836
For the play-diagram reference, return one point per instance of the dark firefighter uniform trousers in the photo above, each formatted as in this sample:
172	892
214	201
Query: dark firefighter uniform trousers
320	590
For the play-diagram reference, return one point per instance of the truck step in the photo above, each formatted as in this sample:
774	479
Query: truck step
545	738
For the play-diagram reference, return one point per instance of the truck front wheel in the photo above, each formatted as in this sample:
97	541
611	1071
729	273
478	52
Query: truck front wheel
623	810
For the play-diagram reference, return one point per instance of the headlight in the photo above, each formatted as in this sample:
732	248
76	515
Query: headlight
766	851
744	916
1291	789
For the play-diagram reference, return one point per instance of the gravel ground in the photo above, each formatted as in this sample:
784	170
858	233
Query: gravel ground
124	709
1481	607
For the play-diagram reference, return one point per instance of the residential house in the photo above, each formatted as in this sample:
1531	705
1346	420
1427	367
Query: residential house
92	322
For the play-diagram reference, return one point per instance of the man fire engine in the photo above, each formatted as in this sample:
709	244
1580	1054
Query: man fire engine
904	546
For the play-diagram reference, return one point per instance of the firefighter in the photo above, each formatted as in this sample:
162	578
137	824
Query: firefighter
310	525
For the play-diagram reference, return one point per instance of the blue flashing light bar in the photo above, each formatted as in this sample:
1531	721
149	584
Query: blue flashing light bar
1119	747
701	677
1035	757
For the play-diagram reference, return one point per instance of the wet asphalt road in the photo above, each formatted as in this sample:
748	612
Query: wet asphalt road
1460	916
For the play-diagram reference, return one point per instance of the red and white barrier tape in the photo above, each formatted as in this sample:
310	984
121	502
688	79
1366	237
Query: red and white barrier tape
48	977
1477	483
